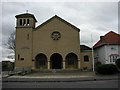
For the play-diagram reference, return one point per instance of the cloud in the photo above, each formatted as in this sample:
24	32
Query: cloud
93	18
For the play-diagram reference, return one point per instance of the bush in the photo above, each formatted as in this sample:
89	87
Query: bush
97	63
7	66
118	63
106	69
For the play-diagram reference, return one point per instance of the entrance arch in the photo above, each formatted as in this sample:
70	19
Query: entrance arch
56	61
71	60
41	61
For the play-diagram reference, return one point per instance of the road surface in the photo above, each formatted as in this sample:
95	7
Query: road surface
78	84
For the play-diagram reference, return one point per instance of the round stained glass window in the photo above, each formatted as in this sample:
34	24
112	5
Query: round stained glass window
55	35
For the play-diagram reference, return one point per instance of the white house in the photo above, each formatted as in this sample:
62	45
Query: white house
107	49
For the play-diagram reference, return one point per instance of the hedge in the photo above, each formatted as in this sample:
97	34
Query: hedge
106	69
118	63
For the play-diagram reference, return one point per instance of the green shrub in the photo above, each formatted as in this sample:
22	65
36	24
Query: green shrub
97	63
106	69
118	63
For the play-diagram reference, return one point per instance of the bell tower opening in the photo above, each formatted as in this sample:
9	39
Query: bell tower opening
26	20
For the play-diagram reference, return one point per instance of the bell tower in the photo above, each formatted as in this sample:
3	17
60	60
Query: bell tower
25	24
25	20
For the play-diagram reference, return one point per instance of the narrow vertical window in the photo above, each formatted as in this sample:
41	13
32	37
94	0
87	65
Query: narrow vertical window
27	36
24	22
110	58
20	21
28	22
18	56
86	58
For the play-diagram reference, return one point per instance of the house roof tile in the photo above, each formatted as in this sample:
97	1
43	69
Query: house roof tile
110	38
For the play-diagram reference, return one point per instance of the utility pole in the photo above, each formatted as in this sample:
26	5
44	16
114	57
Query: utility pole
92	54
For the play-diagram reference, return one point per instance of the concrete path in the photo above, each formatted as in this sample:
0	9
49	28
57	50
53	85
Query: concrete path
58	78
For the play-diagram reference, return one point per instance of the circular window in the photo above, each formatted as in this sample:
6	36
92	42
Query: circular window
55	35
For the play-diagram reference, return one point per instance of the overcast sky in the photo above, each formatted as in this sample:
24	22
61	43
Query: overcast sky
92	18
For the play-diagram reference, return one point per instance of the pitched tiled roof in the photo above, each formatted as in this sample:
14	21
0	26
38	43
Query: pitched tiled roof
64	21
26	15
111	38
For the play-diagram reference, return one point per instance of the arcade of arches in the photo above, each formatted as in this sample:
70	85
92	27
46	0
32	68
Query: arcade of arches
56	61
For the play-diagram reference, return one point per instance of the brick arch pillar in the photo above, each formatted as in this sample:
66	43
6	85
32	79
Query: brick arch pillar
48	64
78	63
63	64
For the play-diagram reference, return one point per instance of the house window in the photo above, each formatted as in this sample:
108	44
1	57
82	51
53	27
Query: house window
20	21
113	47
113	58
86	58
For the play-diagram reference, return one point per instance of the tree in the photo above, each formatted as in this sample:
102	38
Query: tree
11	41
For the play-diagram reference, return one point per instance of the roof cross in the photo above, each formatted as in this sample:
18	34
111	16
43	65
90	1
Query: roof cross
26	11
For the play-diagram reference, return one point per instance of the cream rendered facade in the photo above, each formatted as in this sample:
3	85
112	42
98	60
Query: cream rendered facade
55	44
86	65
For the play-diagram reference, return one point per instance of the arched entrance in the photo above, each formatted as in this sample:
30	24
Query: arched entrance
56	61
41	61
71	61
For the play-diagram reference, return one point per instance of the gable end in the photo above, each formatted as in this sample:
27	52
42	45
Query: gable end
60	20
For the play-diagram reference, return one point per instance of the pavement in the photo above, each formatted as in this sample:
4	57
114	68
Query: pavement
58	78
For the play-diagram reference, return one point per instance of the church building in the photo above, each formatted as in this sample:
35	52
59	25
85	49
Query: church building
55	44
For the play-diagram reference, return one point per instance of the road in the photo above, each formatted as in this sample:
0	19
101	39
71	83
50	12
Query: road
78	84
